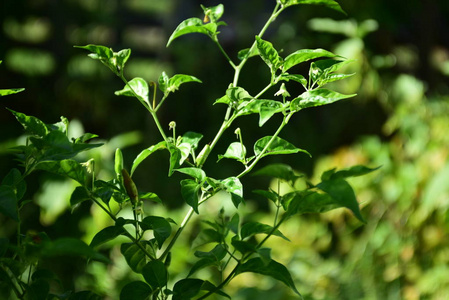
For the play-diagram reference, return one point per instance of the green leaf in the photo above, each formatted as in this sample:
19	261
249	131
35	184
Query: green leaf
175	82
304	55
72	247
163	82
252	228
295	77
134	256
272	269
238	94
236	150
84	295
121	58
196	173
233	186
136	87
136	290
267	109
8	202
277	146
191	138
192	25
106	234
176	157
150	196
214	13
270	195
186	289
6	92
269	54
38	289
4	244
216	254
145	153
244	53
316	97
343	194
15	180
155	274
79	195
328	3
160	226
98	51
189	192
308	202
201	264
280	171
32	125
353	171
68	167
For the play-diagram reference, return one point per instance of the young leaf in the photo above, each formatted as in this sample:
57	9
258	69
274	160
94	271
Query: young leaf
160	226
238	94
121	58
316	97
175	82
328	3
303	55
236	150
136	87
233	186
32	125
136	290
134	256
176	158
6	92
295	77
98	52
192	138
277	146
189	191
343	194
252	228
267	109
155	274
272	269
268	54
106	234
214	13
190	26
145	153
8	202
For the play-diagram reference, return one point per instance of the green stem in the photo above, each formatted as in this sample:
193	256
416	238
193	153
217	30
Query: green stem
215	39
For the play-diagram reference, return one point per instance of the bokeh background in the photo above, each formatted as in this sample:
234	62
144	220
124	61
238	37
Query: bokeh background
399	120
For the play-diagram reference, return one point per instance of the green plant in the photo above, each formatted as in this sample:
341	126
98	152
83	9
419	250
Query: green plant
231	243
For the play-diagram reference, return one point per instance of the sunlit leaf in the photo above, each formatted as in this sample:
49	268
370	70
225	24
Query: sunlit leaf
233	186
192	25
155	274
242	54
98	51
236	150
304	55
6	92
192	138
295	77
214	13
267	109
136	87
145	153
68	167
196	173
317	97
328	3
272	269
32	125
136	290
269	54
281	171
277	146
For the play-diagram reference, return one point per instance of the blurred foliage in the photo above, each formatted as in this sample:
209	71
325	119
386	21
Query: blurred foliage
399	120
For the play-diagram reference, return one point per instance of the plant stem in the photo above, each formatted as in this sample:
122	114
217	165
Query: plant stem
224	52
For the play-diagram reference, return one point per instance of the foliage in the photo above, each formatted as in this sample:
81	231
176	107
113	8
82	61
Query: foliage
232	244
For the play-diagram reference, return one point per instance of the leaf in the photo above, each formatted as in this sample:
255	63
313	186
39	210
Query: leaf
277	146
267	109
252	228
8	202
150	196
98	51
308	202
353	171
189	192
196	173
67	167
244	53
295	77
216	254
236	150
272	269
175	82
136	290
328	3
79	195
192	138
270	195
106	234
233	186
214	13
134	256
15	180
186	289
6	92
343	194
147	152
155	274
238	94
192	25
136	87
316	97
121	58
32	125
175	158
72	247
269	54
304	55
280	171
160	226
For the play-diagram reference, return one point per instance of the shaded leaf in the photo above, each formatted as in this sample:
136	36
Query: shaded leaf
353	171
8	202
106	234
134	256
233	186
155	274
160	226
308	202
280	171
189	191
69	168
72	247
136	290
192	138
79	195
214	13
252	228
272	269
32	125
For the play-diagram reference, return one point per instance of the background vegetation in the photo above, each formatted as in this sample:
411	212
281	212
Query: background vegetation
399	120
